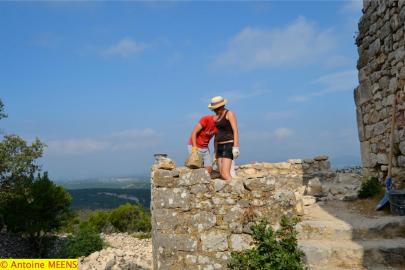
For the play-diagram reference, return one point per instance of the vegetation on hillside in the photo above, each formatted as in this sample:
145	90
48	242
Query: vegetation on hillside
131	218
82	243
108	198
272	249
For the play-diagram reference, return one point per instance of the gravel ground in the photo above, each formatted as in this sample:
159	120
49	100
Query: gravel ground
123	252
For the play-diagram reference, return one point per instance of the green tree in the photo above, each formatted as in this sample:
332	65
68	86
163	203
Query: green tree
17	162
43	207
2	113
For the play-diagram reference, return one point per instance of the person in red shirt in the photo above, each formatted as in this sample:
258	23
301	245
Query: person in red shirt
200	139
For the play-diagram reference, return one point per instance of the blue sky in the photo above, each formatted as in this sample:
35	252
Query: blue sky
106	85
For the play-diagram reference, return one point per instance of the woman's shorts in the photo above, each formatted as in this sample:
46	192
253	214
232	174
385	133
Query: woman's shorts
225	150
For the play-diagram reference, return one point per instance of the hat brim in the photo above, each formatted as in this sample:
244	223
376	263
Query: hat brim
216	106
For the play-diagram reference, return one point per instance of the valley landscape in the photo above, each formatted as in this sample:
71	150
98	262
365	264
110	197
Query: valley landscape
107	193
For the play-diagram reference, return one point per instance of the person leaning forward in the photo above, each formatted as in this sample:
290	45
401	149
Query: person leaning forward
200	139
227	138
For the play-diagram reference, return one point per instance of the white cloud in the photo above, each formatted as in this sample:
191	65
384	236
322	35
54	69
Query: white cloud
330	83
124	48
339	81
282	133
118	141
279	134
134	134
76	146
299	43
352	6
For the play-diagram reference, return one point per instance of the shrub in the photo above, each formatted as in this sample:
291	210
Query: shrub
370	188
130	218
82	243
272	249
99	220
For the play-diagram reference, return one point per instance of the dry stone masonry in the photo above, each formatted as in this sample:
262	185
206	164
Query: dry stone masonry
381	48
197	221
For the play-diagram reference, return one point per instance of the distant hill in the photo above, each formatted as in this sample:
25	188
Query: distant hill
345	161
107	198
111	182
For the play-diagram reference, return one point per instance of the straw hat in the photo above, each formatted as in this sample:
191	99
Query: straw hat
217	102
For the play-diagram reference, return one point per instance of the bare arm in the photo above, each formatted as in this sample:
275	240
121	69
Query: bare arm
234	125
196	129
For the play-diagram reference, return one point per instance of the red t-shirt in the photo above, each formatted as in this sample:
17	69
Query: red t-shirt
206	133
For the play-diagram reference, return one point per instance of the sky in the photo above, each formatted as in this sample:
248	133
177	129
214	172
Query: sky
108	84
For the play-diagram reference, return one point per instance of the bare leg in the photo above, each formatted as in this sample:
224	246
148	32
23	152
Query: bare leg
219	161
225	168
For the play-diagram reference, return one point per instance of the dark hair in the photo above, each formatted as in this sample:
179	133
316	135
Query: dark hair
217	109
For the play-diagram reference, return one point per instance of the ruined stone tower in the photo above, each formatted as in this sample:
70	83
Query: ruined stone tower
381	72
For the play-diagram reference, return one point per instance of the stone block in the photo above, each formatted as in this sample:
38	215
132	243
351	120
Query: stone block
295	161
171	198
219	184
314	187
379	129
199	189
363	93
241	242
193	177
321	158
308	200
237	186
382	159
401	161
234	214
169	219
285	198
165	163
175	242
214	241
263	184
402	147
204	220
163	178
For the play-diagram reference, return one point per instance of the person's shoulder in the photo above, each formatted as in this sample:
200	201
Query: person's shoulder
230	113
207	118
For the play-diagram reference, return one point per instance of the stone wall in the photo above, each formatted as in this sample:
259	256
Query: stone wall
381	48
197	221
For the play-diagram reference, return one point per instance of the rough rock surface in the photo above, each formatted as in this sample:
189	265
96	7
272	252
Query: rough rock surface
198	221
345	186
123	252
381	73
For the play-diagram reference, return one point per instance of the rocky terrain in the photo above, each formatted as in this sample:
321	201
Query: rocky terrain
123	252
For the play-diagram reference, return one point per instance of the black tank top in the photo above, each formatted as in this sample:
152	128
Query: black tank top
225	131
